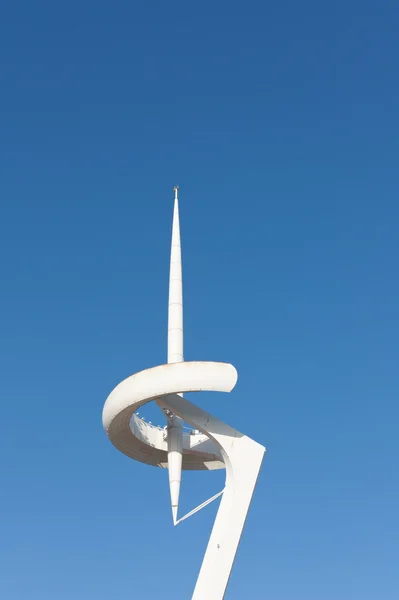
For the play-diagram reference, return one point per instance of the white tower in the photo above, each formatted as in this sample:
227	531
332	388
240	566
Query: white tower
213	445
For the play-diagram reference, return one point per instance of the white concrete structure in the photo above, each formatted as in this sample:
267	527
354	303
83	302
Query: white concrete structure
212	445
175	354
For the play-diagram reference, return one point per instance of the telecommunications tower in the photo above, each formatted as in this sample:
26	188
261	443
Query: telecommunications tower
211	445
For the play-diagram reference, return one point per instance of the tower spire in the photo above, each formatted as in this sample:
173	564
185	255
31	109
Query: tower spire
175	316
175	354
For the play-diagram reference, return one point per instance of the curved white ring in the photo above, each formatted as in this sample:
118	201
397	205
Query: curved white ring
140	440
241	455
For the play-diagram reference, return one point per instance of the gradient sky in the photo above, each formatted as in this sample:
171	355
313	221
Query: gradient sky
280	122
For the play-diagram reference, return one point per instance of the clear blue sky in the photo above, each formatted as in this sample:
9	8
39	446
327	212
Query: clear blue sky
280	122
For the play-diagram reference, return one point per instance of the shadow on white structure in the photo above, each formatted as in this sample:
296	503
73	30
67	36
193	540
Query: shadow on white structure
213	444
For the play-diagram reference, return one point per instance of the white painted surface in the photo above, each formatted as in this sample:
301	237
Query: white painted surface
175	354
188	376
144	442
175	308
213	445
241	455
243	459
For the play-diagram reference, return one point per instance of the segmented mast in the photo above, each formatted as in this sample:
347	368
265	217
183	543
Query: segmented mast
175	354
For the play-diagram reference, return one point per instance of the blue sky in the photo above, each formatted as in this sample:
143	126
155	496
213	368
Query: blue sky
280	123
